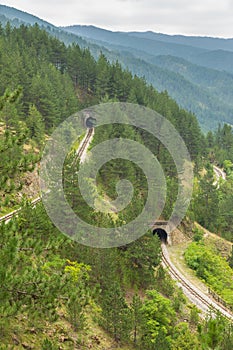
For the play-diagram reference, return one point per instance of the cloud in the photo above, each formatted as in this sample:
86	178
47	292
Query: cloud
203	17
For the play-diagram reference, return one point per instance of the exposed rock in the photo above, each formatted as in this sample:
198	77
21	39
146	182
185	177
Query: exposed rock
15	340
27	346
177	237
96	339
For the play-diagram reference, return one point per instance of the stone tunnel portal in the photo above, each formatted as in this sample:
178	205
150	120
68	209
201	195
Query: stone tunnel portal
162	234
90	122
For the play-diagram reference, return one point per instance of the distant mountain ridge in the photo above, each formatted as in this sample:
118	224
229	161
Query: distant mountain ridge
161	44
199	79
153	47
12	14
204	42
17	17
196	71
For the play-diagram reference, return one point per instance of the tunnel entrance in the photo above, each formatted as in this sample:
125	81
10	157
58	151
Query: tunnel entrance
90	122
161	233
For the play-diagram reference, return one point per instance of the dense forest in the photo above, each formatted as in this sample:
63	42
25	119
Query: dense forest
56	293
196	71
198	77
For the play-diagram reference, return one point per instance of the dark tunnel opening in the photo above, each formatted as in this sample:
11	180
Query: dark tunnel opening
161	233
90	122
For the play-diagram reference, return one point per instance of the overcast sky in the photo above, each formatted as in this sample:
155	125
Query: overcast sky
196	17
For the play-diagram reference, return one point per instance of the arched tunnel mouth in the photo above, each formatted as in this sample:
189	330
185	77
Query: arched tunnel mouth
90	122
161	233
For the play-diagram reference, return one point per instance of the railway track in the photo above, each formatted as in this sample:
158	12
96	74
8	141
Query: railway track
84	143
195	295
202	301
219	172
9	216
80	152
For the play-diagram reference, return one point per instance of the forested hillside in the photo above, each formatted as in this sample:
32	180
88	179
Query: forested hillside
145	53
204	42
190	48
56	293
138	52
53	81
51	76
213	202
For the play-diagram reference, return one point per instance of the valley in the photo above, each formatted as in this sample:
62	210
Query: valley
56	292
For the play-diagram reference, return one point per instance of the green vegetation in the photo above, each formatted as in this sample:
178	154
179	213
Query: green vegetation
46	275
196	71
196	74
211	268
56	293
213	198
14	159
220	145
198	235
47	80
50	280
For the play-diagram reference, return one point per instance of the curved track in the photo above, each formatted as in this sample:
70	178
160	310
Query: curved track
82	148
219	173
7	217
84	144
197	297
202	301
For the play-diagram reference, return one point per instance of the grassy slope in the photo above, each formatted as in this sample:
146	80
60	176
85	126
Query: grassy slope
177	255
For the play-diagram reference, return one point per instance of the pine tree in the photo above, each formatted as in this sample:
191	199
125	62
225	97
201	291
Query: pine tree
206	202
230	259
136	314
35	124
115	312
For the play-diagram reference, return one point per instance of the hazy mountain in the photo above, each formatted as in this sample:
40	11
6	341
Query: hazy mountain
17	17
217	83
196	41
218	59
210	108
194	50
188	75
173	63
152	47
14	15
